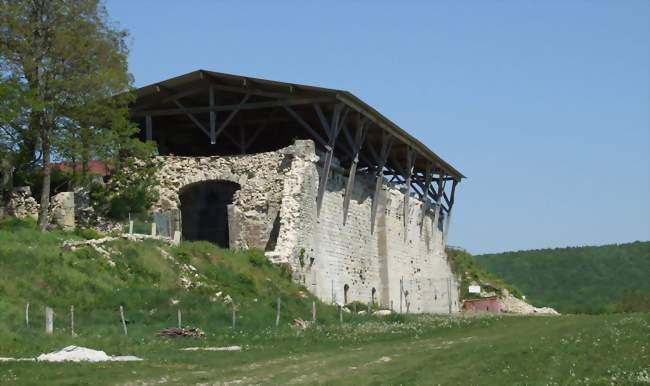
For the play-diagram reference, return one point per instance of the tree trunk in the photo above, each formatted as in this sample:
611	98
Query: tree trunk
45	193
6	169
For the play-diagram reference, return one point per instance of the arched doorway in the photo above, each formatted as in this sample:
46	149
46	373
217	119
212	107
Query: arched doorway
204	210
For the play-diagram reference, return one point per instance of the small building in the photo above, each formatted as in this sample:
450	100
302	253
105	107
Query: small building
488	304
315	177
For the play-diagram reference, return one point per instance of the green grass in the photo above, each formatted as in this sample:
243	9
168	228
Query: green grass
35	269
419	350
364	350
580	279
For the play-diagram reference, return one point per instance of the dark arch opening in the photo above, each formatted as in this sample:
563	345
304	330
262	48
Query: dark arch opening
345	293
204	211
372	295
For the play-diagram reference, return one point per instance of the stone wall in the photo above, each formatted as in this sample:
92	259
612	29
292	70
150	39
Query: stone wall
275	210
327	255
255	206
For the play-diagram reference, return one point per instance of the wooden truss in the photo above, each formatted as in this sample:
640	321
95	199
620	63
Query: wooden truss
342	127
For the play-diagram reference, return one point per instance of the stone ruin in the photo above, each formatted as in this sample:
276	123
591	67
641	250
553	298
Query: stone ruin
273	208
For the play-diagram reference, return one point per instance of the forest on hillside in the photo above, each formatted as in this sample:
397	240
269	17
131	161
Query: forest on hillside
593	279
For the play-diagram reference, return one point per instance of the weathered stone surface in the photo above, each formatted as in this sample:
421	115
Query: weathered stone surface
21	204
62	210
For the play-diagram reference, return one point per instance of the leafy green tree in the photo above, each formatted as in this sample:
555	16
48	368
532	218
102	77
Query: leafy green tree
71	64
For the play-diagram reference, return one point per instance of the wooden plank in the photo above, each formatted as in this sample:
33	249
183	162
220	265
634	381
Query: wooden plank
360	134
425	196
448	219
436	215
410	163
248	106
232	114
387	143
332	133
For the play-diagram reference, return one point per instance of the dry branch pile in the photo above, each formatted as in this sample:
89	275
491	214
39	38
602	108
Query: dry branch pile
181	332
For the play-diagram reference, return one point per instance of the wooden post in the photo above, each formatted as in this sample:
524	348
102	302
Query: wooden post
340	314
381	162
130	224
358	142
354	308
72	321
234	316
448	219
410	162
153	228
49	320
438	208
180	318
332	128
425	197
277	313
123	320
27	314
313	312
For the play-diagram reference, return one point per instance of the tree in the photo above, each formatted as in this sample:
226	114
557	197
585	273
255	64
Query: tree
70	63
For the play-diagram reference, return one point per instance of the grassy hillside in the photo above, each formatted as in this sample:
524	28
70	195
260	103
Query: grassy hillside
150	279
580	279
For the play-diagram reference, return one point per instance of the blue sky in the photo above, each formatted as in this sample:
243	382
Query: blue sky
545	106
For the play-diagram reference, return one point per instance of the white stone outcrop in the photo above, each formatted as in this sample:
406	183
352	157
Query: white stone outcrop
21	204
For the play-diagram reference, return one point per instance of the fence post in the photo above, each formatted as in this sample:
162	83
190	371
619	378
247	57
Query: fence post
354	308
130	224
27	314
72	321
180	318
313	312
153	228
234	316
49	320
277	313
123	320
340	314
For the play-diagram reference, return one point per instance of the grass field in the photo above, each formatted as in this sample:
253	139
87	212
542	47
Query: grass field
150	280
424	350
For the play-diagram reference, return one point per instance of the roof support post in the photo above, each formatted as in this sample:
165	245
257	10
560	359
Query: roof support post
149	128
448	219
425	196
410	163
387	142
437	209
213	118
358	142
332	130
